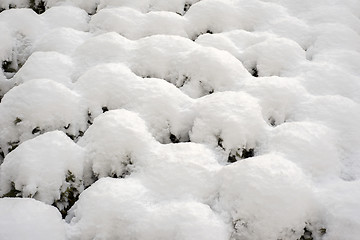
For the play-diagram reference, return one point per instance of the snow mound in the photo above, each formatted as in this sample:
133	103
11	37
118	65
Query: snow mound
194	69
62	40
131	211
27	219
39	106
262	54
310	145
231	121
180	171
133	24
177	6
115	142
66	17
43	168
279	97
50	65
342	209
114	86
267	197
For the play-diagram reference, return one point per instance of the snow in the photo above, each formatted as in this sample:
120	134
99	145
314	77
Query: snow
118	87
170	58
49	65
26	219
115	141
279	97
67	17
134	25
233	118
300	142
289	200
182	119
342	209
63	40
131	211
180	171
88	5
268	54
42	174
25	113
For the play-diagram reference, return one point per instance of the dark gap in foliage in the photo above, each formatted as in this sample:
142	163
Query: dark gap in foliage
254	72
240	154
13	192
90	118
128	165
307	235
13	145
81	133
187	7
68	197
36	130
272	121
173	138
72	137
310	233
75	137
37	6
201	33
17	121
181	81
8	67
105	109
220	141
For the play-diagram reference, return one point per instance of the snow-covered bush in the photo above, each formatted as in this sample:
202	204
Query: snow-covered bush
63	40
279	97
125	209
48	168
114	86
114	144
267	197
48	65
196	70
39	106
230	121
262	54
22	27
134	24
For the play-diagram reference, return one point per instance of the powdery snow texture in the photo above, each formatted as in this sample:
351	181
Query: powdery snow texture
133	118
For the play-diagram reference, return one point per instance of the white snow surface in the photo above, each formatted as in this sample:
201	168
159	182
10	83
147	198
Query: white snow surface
181	119
42	174
27	219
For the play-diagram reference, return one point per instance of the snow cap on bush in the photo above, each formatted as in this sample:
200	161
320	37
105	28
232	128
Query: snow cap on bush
38	106
40	167
267	197
230	120
131	211
115	142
